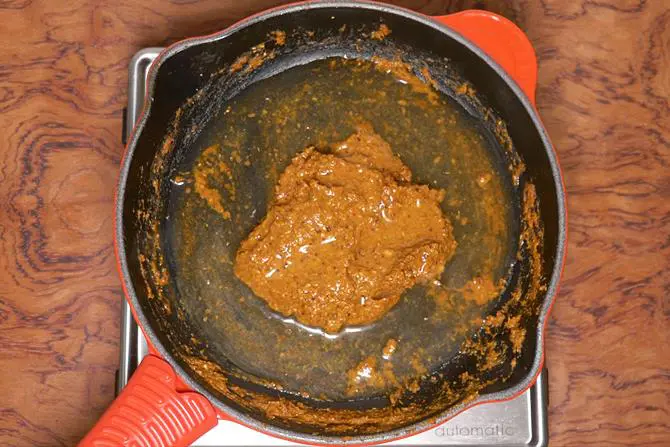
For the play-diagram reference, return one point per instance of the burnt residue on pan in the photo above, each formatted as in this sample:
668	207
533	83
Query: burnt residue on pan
211	183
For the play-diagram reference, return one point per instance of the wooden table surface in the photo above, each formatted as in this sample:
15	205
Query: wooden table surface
604	83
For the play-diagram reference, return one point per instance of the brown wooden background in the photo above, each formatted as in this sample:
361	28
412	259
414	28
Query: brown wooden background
604	85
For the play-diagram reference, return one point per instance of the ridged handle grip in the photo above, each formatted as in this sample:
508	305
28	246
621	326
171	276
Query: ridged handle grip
502	40
150	412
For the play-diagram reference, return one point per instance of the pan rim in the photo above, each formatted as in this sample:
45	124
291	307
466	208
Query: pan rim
416	427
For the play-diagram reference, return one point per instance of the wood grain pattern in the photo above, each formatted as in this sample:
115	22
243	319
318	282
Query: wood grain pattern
604	84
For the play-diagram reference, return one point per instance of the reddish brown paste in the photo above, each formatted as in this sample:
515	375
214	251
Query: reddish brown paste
346	235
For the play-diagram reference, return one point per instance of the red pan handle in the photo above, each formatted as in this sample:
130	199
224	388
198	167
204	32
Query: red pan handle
502	40
151	412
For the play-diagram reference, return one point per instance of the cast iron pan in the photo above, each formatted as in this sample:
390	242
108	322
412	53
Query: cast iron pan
216	349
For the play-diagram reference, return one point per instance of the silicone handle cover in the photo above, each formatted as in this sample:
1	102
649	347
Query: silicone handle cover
150	412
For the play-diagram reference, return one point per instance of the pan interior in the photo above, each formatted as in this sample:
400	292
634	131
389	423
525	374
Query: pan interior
256	133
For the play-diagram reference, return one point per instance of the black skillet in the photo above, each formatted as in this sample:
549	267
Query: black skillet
220	354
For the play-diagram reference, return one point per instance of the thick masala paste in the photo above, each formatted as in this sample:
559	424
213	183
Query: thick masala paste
345	235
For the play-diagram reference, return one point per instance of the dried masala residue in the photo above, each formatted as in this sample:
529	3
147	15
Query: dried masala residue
482	289
279	37
517	334
211	173
403	72
256	57
389	348
502	335
365	375
368	375
324	419
381	33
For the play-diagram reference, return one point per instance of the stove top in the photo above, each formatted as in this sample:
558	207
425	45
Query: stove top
518	422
